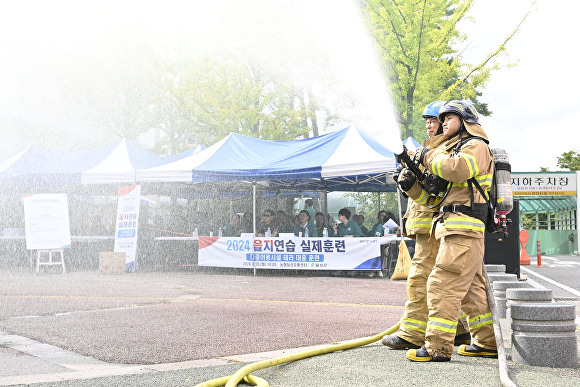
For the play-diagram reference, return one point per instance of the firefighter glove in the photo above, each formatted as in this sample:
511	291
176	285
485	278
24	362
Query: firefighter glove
422	152
397	173
406	179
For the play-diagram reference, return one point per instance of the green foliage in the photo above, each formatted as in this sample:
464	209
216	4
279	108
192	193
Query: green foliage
225	97
416	40
570	160
370	205
216	97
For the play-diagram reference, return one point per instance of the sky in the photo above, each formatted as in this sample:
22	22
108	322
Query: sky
56	69
535	103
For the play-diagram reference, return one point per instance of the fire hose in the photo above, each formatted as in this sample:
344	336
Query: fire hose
503	368
244	373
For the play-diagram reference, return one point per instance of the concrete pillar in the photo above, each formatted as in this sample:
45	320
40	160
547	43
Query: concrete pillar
499	289
531	295
501	277
495	269
544	335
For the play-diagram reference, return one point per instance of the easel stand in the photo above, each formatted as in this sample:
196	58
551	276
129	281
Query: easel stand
40	262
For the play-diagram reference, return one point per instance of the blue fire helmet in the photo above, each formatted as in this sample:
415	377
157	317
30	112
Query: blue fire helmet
464	109
432	110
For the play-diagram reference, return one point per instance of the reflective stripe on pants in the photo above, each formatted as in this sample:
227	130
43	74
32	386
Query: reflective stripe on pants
456	283
414	322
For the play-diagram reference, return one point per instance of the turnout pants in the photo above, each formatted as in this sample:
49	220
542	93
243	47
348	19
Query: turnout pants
456	283
414	321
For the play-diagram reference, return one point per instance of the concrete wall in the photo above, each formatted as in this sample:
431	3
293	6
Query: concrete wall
552	242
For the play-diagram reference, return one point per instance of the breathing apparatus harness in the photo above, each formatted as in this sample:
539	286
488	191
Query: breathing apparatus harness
439	188
476	210
486	212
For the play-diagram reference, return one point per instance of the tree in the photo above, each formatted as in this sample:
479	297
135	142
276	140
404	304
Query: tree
415	39
227	97
416	42
221	96
370	204
570	160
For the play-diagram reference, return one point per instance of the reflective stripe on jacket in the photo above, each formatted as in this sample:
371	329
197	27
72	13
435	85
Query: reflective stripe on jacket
474	160
418	218
454	222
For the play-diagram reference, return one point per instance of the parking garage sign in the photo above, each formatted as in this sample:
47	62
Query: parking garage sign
543	183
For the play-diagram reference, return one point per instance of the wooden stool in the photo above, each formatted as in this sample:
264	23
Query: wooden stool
50	261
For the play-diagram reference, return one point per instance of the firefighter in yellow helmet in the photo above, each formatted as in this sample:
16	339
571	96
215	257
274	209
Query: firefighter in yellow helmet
456	282
417	224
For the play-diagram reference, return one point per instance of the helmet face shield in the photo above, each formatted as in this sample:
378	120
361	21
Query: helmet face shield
464	109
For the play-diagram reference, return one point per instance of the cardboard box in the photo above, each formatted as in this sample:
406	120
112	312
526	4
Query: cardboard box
111	263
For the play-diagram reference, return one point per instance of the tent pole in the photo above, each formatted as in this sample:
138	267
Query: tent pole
254	207
214	221
324	208
400	211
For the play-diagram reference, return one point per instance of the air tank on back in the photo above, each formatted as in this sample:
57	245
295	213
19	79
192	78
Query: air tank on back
505	199
503	186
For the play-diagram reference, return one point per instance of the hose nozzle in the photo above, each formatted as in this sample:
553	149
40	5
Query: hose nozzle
404	159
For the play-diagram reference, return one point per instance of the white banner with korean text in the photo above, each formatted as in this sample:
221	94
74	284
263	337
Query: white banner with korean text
291	253
126	229
543	183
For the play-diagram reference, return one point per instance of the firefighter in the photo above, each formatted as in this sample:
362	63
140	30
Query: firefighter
417	224
456	282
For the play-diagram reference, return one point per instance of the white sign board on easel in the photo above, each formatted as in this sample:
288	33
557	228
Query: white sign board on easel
127	224
46	221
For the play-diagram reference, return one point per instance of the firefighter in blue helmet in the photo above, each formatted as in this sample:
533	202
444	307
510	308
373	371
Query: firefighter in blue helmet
456	282
417	224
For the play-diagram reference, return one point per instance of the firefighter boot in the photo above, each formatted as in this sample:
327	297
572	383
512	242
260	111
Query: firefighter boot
422	354
463	338
395	342
474	350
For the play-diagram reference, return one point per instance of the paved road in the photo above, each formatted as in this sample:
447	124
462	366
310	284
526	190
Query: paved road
559	273
150	318
565	269
182	328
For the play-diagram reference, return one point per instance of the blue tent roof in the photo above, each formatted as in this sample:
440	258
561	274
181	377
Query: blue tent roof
346	159
114	163
37	166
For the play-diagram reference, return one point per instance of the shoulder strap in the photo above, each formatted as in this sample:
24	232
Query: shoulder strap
476	184
473	182
466	140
